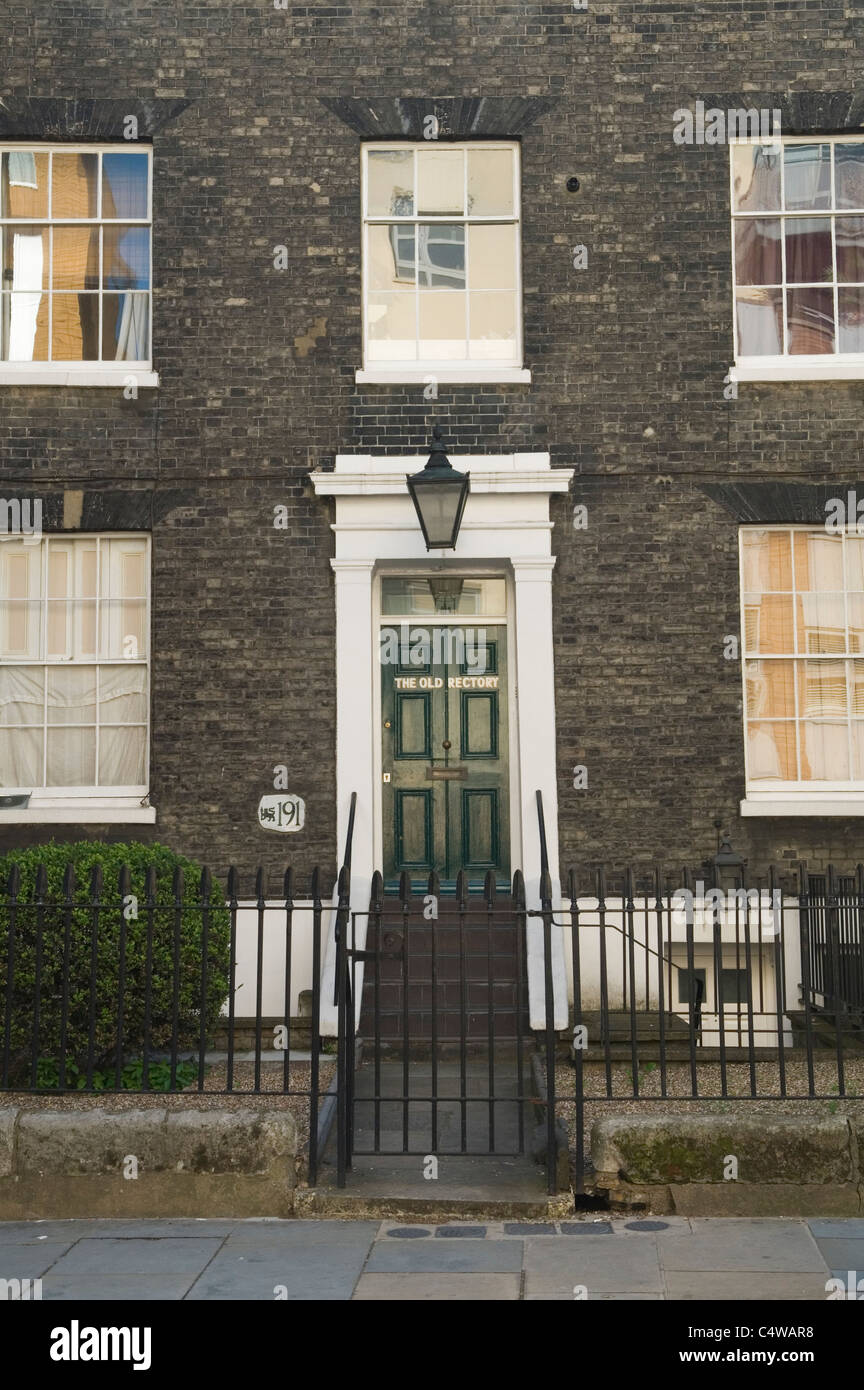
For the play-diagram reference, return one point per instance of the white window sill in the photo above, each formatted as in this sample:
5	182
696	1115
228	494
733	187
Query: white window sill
84	813
815	369
97	376
444	376
849	803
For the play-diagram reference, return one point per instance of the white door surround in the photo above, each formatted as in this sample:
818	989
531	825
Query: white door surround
505	530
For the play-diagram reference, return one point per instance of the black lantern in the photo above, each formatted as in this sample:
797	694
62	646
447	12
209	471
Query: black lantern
439	493
728	866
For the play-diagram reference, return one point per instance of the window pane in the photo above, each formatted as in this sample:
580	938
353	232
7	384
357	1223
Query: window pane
855	621
770	689
390	183
440	179
821	689
492	257
769	625
71	757
490	182
811	320
850	247
75	263
808	249
856	689
441	255
687	985
771	752
759	315
850	328
391	327
414	597
824	752
756	178
21	758
74	185
854	553
125	327
767	560
818	561
733	986
493	325
75	327
126	258
24	184
124	569
124	628
124	185
22	695
391	256
72	695
442	326
821	623
757	251
24	333
858	750
121	757
849	175
807	176
25	258
122	698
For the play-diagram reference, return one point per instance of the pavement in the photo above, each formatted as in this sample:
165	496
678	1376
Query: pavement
651	1259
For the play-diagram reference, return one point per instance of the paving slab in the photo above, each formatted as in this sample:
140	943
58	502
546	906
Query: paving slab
33	1232
845	1254
322	1274
600	1264
824	1228
708	1285
29	1261
730	1244
445	1256
109	1288
110	1255
459	1288
303	1235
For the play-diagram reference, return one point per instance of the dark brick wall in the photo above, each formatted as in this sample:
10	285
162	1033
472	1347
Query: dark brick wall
257	370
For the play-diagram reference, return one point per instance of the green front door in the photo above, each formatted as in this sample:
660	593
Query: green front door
445	763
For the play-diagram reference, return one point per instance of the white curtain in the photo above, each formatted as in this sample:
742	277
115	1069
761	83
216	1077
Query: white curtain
132	332
71	701
758	327
802	172
27	284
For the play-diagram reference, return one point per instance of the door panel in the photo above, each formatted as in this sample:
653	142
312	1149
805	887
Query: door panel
445	758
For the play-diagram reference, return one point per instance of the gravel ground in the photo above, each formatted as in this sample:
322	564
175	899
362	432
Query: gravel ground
271	1096
679	1088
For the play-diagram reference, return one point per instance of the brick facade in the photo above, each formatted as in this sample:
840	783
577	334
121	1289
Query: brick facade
257	386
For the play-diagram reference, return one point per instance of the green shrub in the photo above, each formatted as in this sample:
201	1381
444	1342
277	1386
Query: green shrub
68	935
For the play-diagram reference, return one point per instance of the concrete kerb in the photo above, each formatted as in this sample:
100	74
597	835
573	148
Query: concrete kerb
713	1165
138	1163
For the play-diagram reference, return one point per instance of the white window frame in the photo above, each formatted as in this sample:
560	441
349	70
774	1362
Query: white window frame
93	804
793	798
836	366
115	374
444	372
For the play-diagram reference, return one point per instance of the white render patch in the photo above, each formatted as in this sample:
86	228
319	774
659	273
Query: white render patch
282	812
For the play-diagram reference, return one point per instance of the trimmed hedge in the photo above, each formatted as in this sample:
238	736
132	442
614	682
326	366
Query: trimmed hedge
73	997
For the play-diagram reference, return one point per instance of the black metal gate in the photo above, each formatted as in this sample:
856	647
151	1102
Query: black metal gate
431	988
